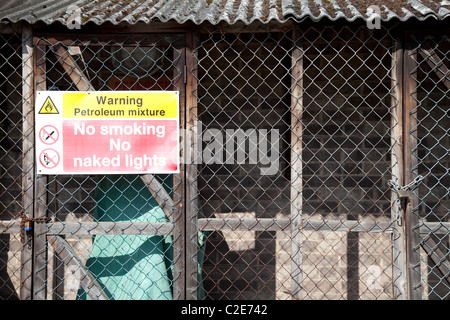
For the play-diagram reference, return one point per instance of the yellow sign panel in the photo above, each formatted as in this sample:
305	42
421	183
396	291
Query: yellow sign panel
129	104
48	107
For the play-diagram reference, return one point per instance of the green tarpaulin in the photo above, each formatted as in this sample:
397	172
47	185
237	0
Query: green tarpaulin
129	267
133	267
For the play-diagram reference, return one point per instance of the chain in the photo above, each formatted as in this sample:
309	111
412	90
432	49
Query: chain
409	187
397	189
25	224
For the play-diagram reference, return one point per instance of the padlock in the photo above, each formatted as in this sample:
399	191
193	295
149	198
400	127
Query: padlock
403	194
27	226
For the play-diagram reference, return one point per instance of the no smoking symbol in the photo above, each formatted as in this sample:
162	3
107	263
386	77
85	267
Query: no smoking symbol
49	134
49	158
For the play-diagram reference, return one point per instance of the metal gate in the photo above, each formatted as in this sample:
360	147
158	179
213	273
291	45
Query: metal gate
103	236
305	212
316	167
428	89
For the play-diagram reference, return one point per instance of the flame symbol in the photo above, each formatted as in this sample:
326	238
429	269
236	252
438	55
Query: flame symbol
48	107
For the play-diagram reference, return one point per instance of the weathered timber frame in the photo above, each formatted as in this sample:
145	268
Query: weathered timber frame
58	230
417	230
406	277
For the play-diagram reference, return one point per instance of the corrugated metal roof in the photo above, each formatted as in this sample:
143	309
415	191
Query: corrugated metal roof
215	11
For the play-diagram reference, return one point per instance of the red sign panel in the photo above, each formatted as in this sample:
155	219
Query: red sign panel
105	132
125	146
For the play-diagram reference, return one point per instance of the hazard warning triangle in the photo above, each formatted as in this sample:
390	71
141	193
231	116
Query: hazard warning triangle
48	107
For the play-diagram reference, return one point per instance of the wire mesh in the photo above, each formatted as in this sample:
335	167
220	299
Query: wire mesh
11	166
430	131
293	191
246	81
110	236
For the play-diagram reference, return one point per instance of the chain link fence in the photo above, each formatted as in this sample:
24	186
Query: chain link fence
12	137
317	106
104	237
294	167
124	229
430	151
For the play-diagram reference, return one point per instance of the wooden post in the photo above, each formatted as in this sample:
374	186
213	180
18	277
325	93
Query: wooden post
28	154
40	193
296	167
414	289
191	171
179	275
82	83
400	269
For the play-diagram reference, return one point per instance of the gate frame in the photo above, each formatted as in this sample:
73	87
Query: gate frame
34	260
413	224
34	185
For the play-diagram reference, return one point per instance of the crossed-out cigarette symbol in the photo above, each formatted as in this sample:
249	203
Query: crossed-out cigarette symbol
49	134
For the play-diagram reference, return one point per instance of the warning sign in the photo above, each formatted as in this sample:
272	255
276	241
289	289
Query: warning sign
48	107
48	134
49	158
121	104
107	132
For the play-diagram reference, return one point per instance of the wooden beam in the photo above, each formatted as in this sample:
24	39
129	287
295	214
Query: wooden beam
28	155
243	224
178	211
40	192
438	257
191	207
11	28
114	31
68	256
72	69
347	226
40	66
400	269
414	290
109	228
10	226
434	228
269	224
160	194
241	27
296	165
216	224
436	64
